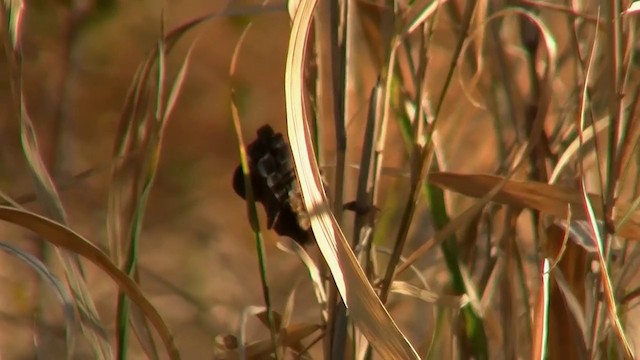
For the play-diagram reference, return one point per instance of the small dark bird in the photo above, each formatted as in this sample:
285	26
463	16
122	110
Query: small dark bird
274	185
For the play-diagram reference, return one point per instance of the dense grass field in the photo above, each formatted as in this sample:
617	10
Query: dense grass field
467	171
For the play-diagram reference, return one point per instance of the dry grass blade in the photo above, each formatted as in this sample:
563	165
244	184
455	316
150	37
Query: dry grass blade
261	349
599	241
120	207
576	308
127	199
572	149
534	137
566	295
460	221
471	292
547	5
314	273
249	311
47	193
292	7
550	199
579	231
419	12
65	238
177	87
542	316
63	293
289	306
407	289
366	310
45	187
143	332
606	281
634	9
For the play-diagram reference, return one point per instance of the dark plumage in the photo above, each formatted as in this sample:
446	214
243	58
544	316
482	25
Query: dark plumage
274	185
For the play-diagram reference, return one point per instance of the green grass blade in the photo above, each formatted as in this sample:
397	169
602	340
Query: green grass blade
473	328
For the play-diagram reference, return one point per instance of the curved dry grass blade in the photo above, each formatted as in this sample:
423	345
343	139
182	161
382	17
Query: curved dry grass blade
65	238
634	9
547	5
249	311
176	88
30	197
292	7
606	280
564	160
415	18
262	348
61	291
287	314
555	258
416	272
407	289
44	185
549	199
366	310
285	324
546	198
588	202
291	246
580	232
142	331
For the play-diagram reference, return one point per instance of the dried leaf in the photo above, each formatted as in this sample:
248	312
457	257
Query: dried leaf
549	199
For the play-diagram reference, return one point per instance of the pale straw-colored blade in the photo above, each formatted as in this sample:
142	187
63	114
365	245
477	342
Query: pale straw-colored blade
365	308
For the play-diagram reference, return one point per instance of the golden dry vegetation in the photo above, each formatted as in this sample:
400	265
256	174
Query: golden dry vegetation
476	89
